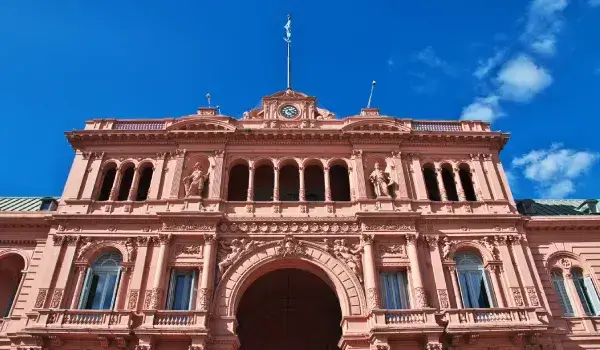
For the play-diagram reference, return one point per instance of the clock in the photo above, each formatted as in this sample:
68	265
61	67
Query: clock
289	111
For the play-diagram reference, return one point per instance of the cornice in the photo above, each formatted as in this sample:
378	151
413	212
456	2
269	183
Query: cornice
562	223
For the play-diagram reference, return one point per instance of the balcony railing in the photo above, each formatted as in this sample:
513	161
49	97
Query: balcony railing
173	319
84	319
399	320
509	318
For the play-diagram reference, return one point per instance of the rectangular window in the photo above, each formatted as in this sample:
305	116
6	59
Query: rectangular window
394	290
182	288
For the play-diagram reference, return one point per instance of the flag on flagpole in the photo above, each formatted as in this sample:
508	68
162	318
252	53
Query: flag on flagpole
288	29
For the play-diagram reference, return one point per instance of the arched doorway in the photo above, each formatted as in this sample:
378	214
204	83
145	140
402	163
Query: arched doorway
289	309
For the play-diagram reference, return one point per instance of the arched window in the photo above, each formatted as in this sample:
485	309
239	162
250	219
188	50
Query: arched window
433	191
473	281
339	180
101	283
586	292
108	178
289	183
10	280
449	184
144	183
264	181
314	183
561	292
464	173
126	182
238	183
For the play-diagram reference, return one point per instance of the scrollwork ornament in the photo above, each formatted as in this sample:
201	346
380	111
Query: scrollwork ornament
289	246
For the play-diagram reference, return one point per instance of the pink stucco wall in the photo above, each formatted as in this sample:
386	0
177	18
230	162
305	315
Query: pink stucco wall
402	231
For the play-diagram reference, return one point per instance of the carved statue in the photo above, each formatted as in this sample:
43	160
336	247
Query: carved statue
381	181
351	256
194	183
235	251
446	248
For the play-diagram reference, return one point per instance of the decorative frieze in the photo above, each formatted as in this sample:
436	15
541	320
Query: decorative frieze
188	250
188	225
389	225
385	250
291	227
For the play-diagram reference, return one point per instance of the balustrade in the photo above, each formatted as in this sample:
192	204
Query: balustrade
103	319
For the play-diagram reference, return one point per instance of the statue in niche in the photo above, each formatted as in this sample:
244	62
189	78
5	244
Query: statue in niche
237	248
194	183
381	182
351	256
446	248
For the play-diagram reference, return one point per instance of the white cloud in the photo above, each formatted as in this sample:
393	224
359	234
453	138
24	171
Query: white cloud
486	109
484	67
544	22
429	57
521	79
594	3
554	170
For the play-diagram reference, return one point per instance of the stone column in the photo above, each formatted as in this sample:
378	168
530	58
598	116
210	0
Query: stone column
440	181
276	184
492	175
157	176
94	171
479	181
134	184
160	268
417	175
217	175
122	291
114	191
398	176
176	184
250	192
64	274
459	186
139	271
522	267
369	272
80	270
417	279
455	286
208	272
327	184
302	191
496	285
438	272
359	175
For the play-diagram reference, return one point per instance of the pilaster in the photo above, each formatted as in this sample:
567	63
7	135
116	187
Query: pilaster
217	176
479	179
492	175
157	176
176	181
398	176
420	294
417	174
51	256
157	290
64	274
76	175
139	271
438	273
94	171
369	272
359	174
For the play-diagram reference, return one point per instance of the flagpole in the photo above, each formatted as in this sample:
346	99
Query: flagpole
289	58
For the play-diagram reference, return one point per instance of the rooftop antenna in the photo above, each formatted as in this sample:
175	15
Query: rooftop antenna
371	94
208	99
218	109
288	40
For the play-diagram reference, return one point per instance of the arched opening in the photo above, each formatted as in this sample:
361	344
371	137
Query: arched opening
10	275
289	309
339	179
464	172
206	188
144	184
108	178
449	184
588	296
474	283
102	282
289	183
314	183
126	182
433	191
558	281
237	189
264	181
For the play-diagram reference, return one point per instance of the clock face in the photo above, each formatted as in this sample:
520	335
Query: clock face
289	111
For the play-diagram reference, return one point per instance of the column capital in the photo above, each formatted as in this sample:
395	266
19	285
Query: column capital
366	239
164	238
209	238
411	238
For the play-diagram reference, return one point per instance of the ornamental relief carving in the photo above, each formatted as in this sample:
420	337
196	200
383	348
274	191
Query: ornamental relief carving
231	252
349	254
395	250
91	244
188	250
391	225
291	227
188	226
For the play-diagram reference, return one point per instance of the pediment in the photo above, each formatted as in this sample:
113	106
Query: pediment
379	124
201	124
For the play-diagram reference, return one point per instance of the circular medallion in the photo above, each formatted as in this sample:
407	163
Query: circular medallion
289	111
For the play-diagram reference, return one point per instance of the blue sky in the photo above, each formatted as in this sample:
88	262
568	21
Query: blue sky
530	67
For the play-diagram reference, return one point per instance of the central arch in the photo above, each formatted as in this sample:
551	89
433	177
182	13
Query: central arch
289	309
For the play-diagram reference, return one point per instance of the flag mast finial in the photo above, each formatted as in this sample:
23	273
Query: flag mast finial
371	94
288	40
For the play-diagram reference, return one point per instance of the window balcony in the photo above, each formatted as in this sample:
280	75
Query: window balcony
510	319
405	321
163	321
81	321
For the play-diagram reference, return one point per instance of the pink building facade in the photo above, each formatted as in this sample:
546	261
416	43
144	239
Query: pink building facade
293	229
